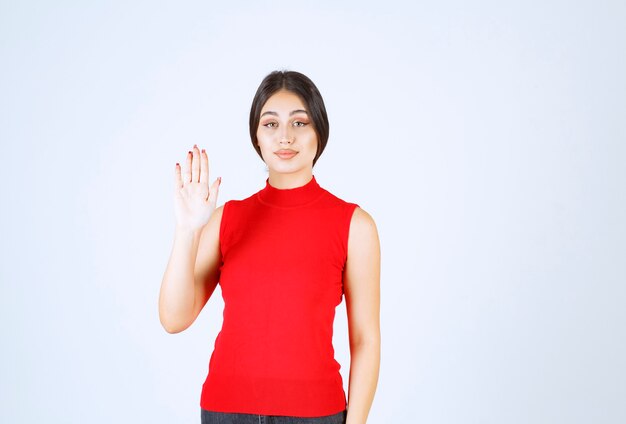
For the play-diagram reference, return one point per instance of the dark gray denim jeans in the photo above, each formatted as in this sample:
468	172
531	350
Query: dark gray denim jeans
209	417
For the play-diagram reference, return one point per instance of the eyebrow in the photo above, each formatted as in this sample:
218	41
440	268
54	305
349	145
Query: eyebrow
293	112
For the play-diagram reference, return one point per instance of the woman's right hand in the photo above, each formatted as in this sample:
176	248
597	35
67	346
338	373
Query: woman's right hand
194	200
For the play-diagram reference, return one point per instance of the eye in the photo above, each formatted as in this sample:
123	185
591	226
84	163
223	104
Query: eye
270	125
299	124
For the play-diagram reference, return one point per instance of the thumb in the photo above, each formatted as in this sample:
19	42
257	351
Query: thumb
213	192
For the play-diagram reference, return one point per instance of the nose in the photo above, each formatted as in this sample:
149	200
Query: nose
286	138
286	135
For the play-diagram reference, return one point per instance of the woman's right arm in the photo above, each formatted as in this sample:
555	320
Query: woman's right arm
191	275
192	271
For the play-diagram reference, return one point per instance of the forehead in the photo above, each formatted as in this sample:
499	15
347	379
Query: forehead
283	101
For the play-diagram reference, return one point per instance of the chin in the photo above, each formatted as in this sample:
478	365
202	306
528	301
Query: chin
286	168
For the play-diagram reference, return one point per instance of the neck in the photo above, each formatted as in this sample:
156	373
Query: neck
291	180
290	197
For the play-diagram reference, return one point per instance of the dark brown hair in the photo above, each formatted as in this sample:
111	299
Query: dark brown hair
304	88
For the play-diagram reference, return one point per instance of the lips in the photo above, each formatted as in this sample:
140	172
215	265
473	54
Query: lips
285	153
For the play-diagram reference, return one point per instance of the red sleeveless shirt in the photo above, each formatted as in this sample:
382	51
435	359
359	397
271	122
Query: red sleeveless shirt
283	253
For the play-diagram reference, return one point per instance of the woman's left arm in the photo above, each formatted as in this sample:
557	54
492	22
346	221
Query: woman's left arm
362	292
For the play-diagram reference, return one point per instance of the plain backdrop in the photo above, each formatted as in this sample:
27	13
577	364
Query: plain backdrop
486	138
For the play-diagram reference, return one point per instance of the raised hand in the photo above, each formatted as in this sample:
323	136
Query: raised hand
194	200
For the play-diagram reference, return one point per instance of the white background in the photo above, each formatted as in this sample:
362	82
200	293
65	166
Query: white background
486	138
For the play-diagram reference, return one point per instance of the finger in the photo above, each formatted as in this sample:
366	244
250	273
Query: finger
177	177
195	165
187	178
204	167
213	192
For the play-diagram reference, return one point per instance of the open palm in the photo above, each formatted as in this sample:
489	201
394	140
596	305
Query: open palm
194	200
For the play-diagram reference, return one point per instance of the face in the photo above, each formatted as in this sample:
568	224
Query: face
286	134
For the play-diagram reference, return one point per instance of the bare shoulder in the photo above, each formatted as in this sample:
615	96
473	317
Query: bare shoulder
216	216
362	271
362	223
209	237
363	232
212	228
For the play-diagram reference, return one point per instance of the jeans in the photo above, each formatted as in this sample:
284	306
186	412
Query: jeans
209	417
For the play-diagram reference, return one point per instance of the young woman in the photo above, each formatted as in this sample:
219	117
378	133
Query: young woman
283	257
